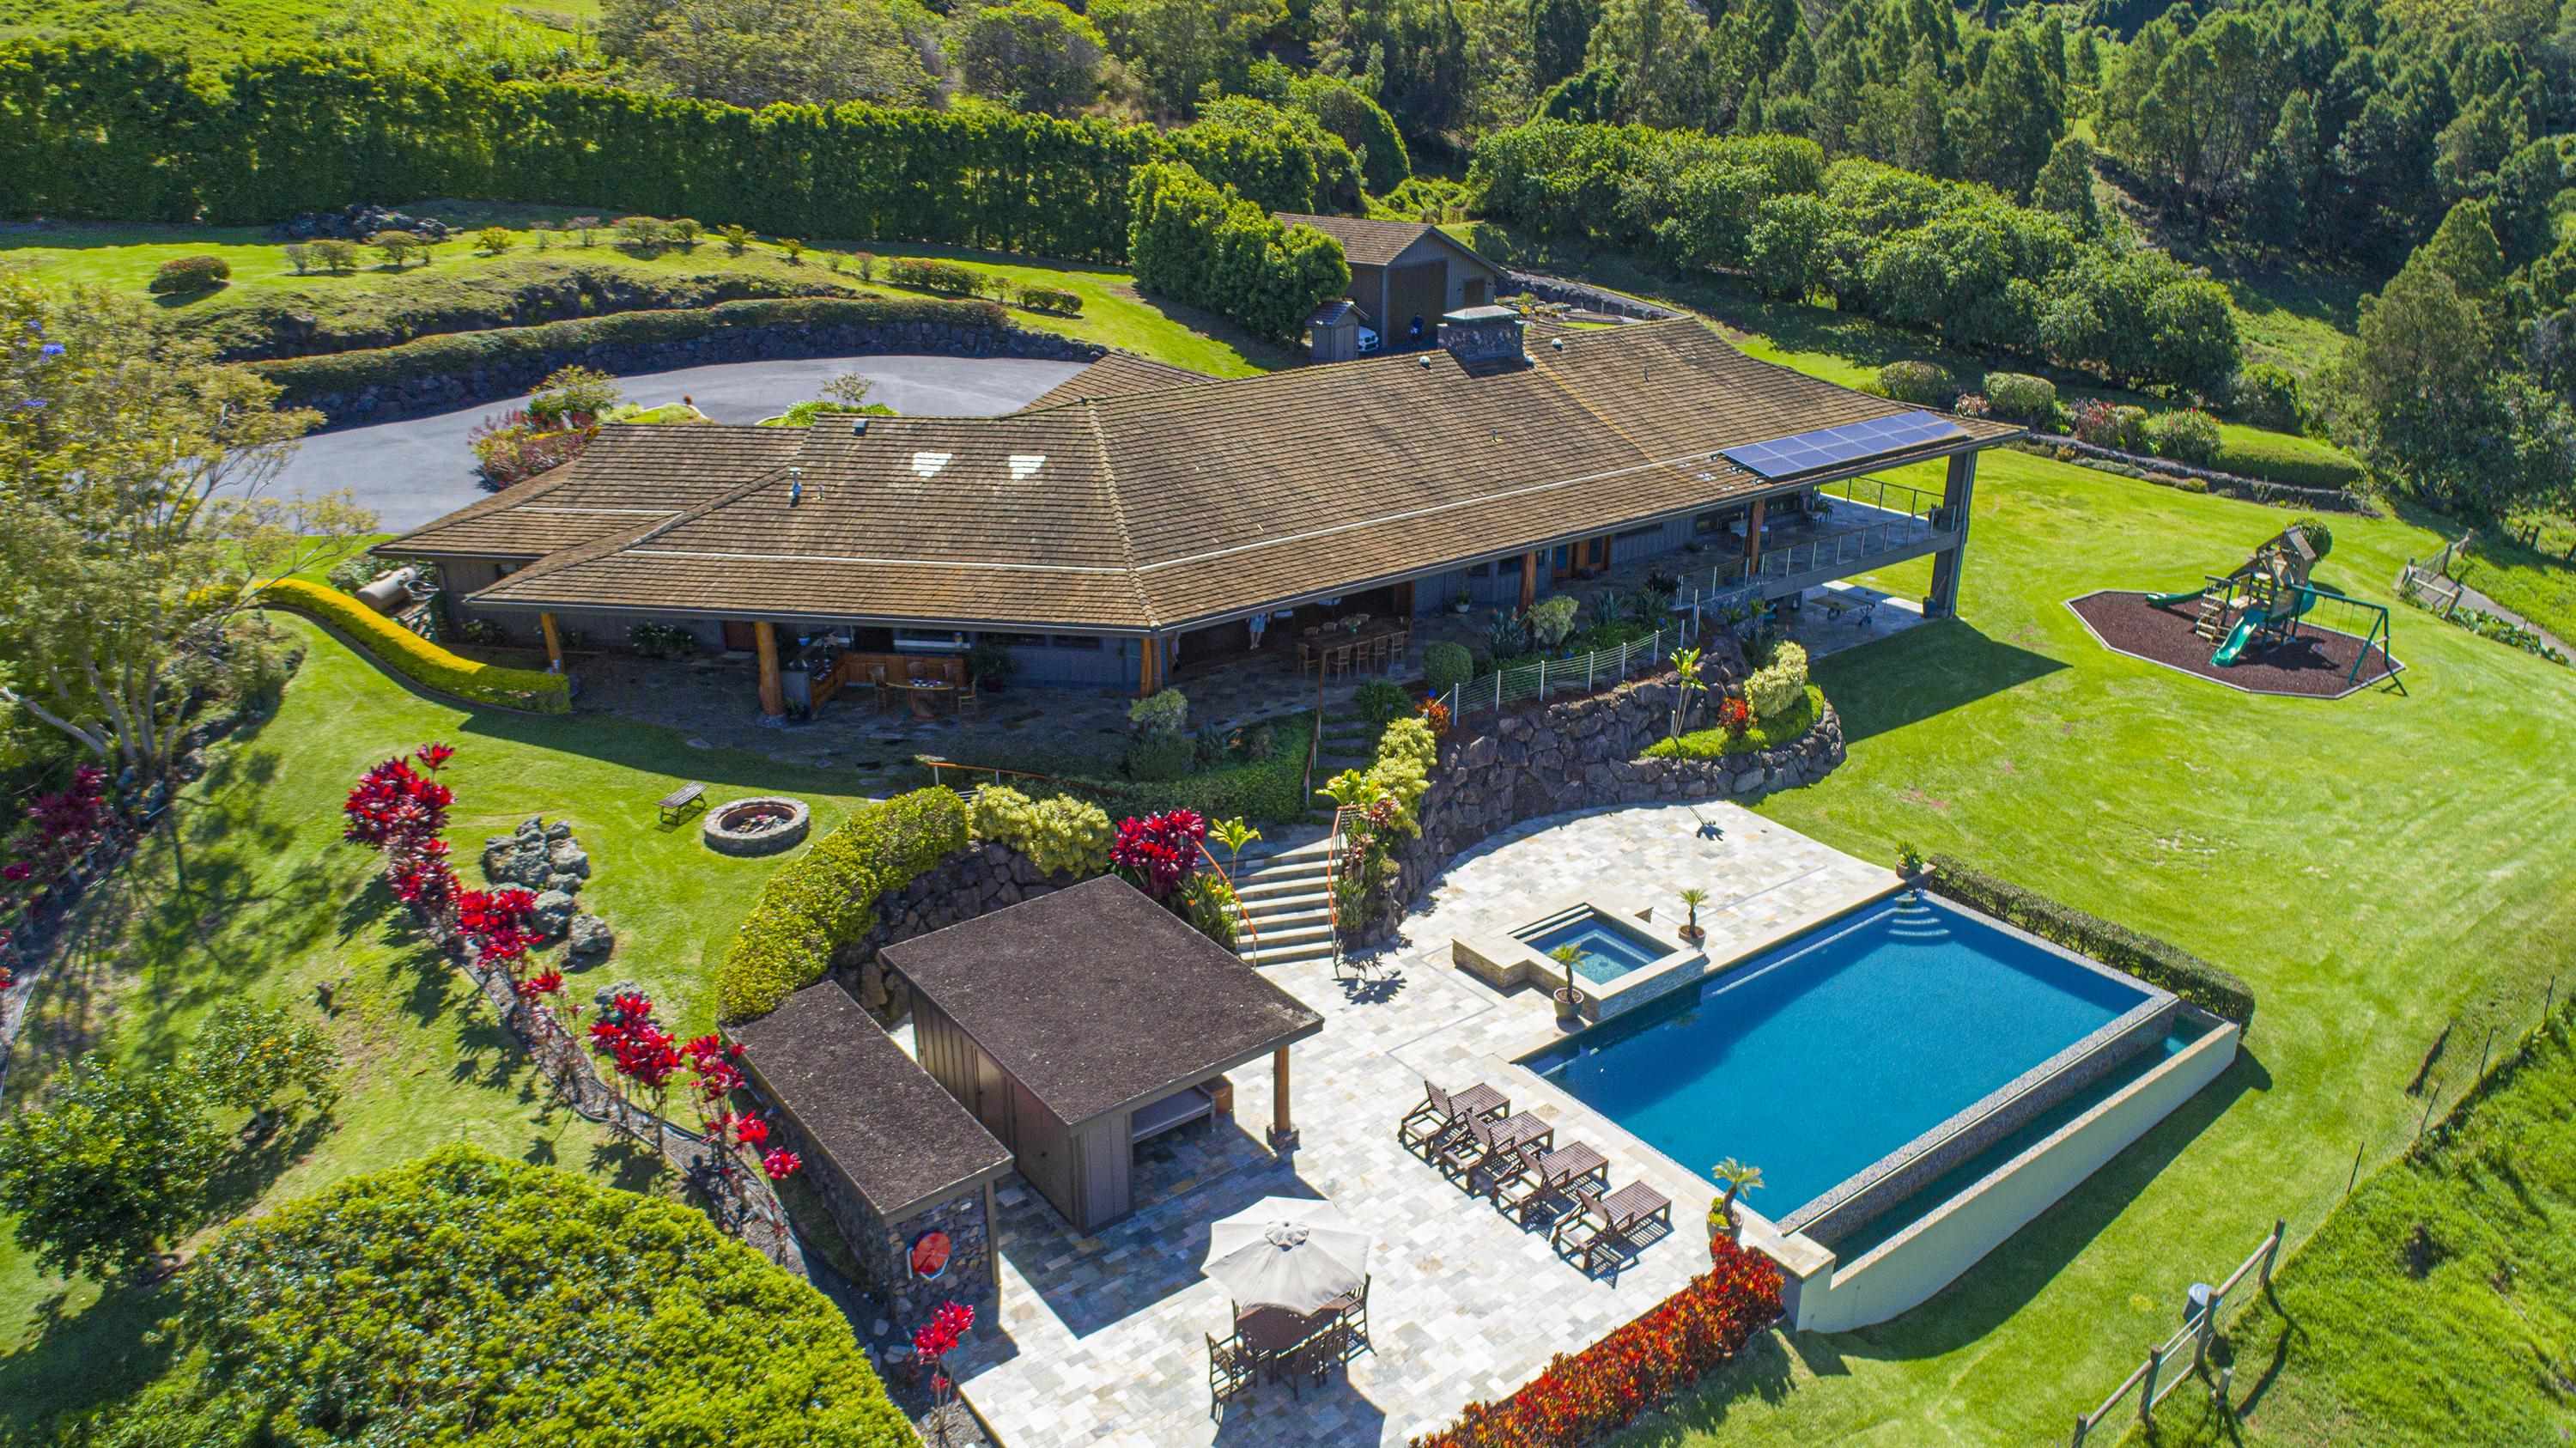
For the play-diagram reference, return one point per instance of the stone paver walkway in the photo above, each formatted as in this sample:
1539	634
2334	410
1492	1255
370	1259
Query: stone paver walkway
1103	1339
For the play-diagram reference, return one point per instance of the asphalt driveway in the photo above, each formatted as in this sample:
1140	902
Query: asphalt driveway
415	470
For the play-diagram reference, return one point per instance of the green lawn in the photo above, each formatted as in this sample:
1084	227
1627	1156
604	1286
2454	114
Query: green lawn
2374	866
278	905
2371	1337
2299	320
549	35
1849	349
376	300
2539	586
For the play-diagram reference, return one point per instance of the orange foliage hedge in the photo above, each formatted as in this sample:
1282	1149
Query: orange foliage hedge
1607	1385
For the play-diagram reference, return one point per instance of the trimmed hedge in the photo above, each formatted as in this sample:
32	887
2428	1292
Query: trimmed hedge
464	1298
457	352
827	897
418	659
2117	946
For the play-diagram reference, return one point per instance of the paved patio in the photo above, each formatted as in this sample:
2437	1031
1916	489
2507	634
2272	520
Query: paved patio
1104	1339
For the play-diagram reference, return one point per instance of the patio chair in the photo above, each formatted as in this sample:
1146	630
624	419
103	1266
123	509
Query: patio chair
1439	1113
883	690
1230	1370
1549	1178
1403	640
1351	1310
1484	1143
1610	1220
968	701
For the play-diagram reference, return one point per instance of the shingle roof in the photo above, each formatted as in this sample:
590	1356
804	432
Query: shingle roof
1376	243
1115	375
1174	504
1095	997
628	473
884	1123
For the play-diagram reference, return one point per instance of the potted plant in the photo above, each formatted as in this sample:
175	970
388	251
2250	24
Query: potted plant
991	663
1692	899
1569	1001
1463	602
1909	861
1737	1178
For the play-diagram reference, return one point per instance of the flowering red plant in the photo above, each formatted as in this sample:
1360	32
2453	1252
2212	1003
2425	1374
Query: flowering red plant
1436	715
935	1340
60	826
781	1163
394	800
751	1132
499	926
1158	853
434	756
1735	716
543	984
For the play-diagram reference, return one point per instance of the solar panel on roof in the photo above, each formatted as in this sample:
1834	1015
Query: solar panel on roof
1804	452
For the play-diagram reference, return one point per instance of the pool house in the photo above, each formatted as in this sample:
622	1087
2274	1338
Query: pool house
1140	524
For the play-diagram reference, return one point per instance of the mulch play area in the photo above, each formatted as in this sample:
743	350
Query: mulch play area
2317	664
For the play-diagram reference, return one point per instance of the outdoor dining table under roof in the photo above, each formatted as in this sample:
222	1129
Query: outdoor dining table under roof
1074	1024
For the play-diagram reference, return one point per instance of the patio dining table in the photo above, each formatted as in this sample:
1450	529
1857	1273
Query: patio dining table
925	695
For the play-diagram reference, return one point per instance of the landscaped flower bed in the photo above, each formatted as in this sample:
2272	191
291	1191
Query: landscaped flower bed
1609	1384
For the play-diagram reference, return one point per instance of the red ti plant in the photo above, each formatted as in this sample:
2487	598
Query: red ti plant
932	1342
60	827
402	812
499	926
1156	854
640	1052
1735	715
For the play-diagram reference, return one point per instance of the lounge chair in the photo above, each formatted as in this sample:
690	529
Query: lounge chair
1490	1145
1440	1115
1549	1178
1601	1222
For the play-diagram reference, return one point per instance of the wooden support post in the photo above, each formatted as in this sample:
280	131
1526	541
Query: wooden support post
773	694
1529	579
554	641
992	1259
1753	537
1283	1132
1149	667
2147	1390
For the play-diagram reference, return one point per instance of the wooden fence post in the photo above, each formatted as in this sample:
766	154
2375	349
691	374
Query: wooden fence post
2147	1393
2271	1251
2081	1425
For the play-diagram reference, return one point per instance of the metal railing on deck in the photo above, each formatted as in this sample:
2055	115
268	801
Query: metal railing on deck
1582	674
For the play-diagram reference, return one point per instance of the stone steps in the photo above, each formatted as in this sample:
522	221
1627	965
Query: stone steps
1284	893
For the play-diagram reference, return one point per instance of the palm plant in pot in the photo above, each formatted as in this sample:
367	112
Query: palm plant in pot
1692	899
1569	1001
991	663
1738	1179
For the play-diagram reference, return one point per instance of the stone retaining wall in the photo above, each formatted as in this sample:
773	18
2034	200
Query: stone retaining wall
512	377
1589	298
1583	754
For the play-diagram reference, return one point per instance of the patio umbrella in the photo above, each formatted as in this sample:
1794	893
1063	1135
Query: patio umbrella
1291	1252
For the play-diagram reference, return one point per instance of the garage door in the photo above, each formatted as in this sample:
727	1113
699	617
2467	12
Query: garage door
1416	293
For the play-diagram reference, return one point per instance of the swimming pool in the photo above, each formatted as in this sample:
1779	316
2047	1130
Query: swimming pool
1609	950
1847	1053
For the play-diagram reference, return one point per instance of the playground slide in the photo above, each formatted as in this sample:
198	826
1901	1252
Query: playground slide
2237	637
2168	600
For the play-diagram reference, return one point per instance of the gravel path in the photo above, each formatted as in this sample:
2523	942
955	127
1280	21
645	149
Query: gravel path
419	469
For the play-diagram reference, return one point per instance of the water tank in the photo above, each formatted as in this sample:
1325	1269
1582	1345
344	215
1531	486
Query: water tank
390	593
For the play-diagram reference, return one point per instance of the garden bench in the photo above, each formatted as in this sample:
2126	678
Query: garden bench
676	804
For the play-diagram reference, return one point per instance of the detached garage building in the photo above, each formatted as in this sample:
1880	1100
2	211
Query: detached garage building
1406	275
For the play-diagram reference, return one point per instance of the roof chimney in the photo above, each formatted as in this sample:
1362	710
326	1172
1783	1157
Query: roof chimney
1482	336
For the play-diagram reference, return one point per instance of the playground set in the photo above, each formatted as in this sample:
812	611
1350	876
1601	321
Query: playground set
2256	607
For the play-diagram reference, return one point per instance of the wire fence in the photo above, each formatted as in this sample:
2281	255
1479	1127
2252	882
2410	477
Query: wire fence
1581	674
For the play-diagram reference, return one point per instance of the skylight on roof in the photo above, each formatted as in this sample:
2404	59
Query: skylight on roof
928	464
1026	465
1825	447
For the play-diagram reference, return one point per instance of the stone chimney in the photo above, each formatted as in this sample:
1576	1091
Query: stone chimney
1482	336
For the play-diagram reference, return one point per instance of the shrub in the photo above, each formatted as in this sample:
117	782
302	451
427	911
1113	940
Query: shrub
1165	711
401	1277
737	239
1160	756
1791	656
1740	731
2320	537
866	262
107	1167
2267	395
1925	384
2021	397
1061	835
337	256
642	233
2109	424
498	349
399	247
1551	620
299	256
514	447
245	1055
1049	299
182	274
1446	666
494	240
1204	244
1380	702
1584	1396
2149	959
572	396
2298	461
683	232
661	640
827	897
794	248
416	658
2187	435
1775	689
933	275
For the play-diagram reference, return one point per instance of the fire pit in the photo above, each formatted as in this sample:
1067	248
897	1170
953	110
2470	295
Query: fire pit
761	825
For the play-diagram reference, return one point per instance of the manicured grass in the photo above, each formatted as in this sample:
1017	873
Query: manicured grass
2375	1335
278	905
2300	320
2374	866
1850	349
551	34
376	300
2539	586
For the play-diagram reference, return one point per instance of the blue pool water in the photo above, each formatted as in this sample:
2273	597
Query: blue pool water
1819	1057
1608	951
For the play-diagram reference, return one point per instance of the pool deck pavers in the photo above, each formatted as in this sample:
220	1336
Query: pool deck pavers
1103	1339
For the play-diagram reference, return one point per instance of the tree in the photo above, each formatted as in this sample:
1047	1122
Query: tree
130	464
2065	185
1737	1178
2013	119
246	1056
108	1168
754	52
849	389
1032	54
1183	46
1556	35
399	247
1652	45
572	395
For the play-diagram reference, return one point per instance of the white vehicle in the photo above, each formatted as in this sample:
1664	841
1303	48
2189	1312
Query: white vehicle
1368	340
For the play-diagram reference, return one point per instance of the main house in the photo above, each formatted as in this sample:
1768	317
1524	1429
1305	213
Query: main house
1139	519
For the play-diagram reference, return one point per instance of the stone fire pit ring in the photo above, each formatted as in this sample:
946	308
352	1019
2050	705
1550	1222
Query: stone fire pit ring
761	825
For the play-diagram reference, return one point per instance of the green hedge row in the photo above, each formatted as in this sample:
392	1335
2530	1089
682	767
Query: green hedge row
416	658
1268	790
108	132
2295	461
2117	946
453	352
827	897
